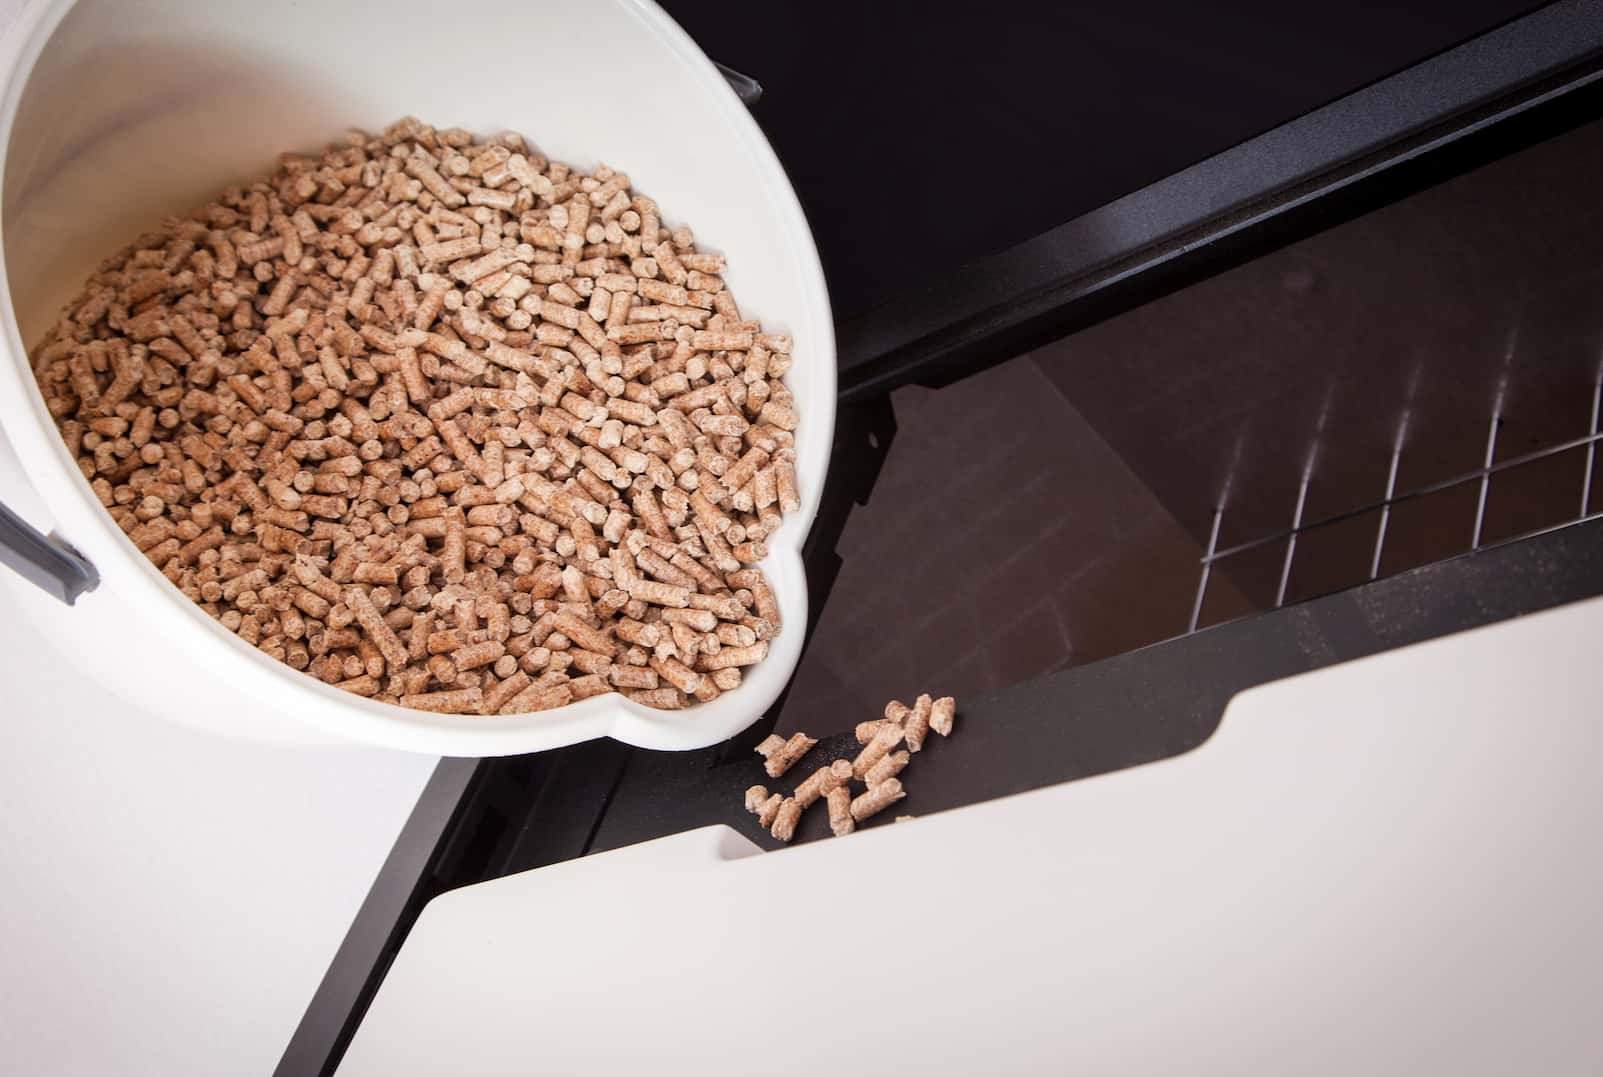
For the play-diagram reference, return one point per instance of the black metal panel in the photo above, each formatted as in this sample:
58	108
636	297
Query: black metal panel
476	819
1489	96
921	135
1405	330
1138	707
391	907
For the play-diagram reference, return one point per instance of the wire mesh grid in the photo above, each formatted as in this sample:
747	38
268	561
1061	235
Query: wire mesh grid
1482	477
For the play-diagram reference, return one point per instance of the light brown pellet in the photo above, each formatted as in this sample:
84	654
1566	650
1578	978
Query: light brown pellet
458	701
538	696
766	809
887	737
840	811
496	698
677	674
730	657
475	655
665	698
821	781
394	412
626	676
917	723
877	799
886	769
785	479
941	714
785	757
660	594
592	685
785	820
367	615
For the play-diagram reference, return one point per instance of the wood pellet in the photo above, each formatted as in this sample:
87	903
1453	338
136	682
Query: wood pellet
443	423
876	767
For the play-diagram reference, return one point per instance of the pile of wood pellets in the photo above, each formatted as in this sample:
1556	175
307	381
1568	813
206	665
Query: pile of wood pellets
876	766
442	423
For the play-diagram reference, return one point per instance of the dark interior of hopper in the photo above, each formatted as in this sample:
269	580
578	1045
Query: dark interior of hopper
1440	353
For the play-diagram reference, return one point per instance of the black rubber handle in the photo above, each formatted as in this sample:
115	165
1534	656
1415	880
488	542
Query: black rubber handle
748	89
50	565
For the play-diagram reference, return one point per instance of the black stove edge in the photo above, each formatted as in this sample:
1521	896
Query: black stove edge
1135	708
524	812
375	935
1373	146
474	817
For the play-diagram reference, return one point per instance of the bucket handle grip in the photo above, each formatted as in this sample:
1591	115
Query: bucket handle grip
44	561
748	89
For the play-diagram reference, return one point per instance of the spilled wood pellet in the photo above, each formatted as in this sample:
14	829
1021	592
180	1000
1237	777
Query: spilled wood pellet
888	736
822	781
841	822
785	820
763	805
877	799
443	423
877	767
786	755
917	723
888	767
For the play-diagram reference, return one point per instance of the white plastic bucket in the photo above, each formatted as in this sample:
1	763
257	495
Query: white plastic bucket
116	112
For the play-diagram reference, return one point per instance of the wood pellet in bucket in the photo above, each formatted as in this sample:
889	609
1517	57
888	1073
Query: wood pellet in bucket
442	423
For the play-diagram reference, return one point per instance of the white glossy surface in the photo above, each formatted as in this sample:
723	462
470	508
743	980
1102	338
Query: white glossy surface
1385	867
171	898
142	107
